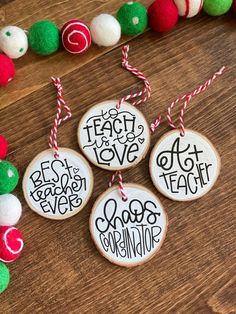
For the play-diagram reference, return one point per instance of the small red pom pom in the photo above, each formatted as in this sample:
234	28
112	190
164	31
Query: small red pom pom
76	37
7	70
234	6
11	244
3	147
163	15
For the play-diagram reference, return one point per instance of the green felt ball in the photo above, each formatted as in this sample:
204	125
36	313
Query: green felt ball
133	18
9	177
217	7
4	277
44	38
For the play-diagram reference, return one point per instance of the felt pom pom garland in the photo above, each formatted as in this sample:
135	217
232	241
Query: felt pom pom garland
104	30
11	241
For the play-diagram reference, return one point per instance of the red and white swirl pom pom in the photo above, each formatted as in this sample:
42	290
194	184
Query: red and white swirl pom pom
11	244
76	37
189	8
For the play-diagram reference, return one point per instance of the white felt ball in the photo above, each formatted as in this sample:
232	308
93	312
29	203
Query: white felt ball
188	8
10	210
105	30
13	41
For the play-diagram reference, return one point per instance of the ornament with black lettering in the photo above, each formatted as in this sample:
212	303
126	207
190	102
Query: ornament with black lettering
184	165
128	232
113	134
59	181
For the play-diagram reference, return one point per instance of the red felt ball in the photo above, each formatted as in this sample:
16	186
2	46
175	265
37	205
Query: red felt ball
7	70
11	244
234	6
75	36
163	15
3	147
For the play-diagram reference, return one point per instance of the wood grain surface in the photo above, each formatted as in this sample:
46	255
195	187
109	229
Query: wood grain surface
60	270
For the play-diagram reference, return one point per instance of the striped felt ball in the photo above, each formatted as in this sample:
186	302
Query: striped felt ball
188	8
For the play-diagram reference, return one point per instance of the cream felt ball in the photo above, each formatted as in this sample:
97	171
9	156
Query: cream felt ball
10	210
217	7
13	41
105	30
188	8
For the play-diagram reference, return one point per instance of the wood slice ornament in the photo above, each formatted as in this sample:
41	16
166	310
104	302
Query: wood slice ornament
112	138
184	168
58	182
184	164
58	188
128	233
113	134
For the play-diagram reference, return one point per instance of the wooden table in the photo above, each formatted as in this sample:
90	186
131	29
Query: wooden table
60	270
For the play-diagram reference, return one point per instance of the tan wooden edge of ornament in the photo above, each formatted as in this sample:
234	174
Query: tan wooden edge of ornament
160	208
154	173
79	162
96	112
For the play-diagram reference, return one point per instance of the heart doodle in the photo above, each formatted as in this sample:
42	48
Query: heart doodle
75	170
141	140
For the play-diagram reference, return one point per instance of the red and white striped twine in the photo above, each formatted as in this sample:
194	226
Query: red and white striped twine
155	124
58	120
146	91
187	98
117	174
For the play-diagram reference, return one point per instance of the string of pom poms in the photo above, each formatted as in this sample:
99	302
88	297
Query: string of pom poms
117	174
146	91
58	120
186	98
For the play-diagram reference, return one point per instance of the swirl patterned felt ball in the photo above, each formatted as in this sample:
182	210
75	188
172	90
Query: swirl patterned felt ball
133	18
163	15
44	38
7	70
11	244
217	7
188	8
4	277
13	41
3	147
9	177
75	36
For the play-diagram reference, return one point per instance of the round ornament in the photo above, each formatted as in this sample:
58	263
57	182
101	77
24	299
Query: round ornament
7	70
184	168
44	38
217	7
76	37
3	147
10	210
11	244
112	138
128	233
163	15
58	188
188	8
133	18
105	30
13	41
4	277
9	177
